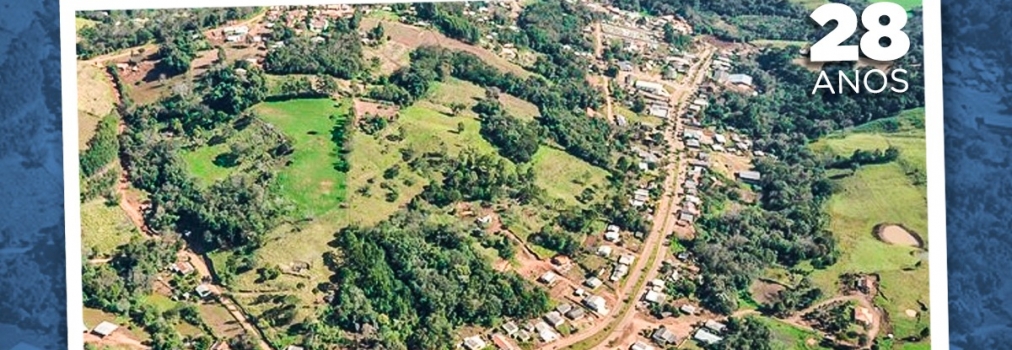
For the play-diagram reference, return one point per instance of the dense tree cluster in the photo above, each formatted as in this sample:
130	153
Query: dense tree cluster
121	29
339	54
748	333
176	54
862	157
516	140
232	89
473	176
103	148
449	18
793	299
417	281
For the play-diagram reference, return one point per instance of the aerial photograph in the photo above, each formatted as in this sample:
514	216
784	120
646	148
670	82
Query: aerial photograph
517	174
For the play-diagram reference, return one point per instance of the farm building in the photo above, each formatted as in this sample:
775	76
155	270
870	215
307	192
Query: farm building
651	87
658	112
749	176
104	329
474	343
715	326
740	79
663	337
706	337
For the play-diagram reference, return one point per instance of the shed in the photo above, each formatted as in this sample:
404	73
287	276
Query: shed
104	329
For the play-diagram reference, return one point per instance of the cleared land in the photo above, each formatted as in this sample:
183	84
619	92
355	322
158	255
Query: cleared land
405	38
107	227
564	176
96	99
875	194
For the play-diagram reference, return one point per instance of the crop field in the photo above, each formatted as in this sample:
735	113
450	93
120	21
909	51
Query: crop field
876	194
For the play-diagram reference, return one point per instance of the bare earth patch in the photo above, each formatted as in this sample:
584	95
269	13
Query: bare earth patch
363	108
910	313
765	292
897	235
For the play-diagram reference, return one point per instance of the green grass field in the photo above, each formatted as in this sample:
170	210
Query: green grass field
633	117
311	180
82	22
877	194
564	176
104	227
788	337
459	91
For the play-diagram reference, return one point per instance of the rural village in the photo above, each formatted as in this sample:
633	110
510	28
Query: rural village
625	284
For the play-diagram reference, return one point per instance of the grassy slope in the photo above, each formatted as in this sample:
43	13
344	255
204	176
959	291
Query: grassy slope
311	180
107	227
95	100
876	194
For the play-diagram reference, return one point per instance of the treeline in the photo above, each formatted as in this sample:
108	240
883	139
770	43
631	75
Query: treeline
415	282
761	19
338	55
121	29
862	157
103	148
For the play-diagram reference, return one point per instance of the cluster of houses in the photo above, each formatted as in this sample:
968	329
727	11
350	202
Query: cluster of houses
722	66
641	34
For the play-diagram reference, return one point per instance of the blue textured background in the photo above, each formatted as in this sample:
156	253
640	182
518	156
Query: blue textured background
979	184
32	258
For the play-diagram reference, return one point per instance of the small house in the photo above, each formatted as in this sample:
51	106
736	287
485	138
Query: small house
554	319
626	259
740	79
625	66
749	176
692	143
502	343
474	343
604	250
182	268
510	328
564	308
704	336
649	86
611	236
715	326
523	336
664	337
688	309
593	282
576	313
640	346
203	290
654	297
548	278
104	329
596	303
719	139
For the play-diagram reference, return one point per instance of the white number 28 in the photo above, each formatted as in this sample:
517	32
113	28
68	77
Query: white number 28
828	49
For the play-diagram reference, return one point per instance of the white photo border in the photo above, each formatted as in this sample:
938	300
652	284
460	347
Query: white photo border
934	138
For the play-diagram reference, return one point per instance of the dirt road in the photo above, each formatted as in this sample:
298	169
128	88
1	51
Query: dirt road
652	253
